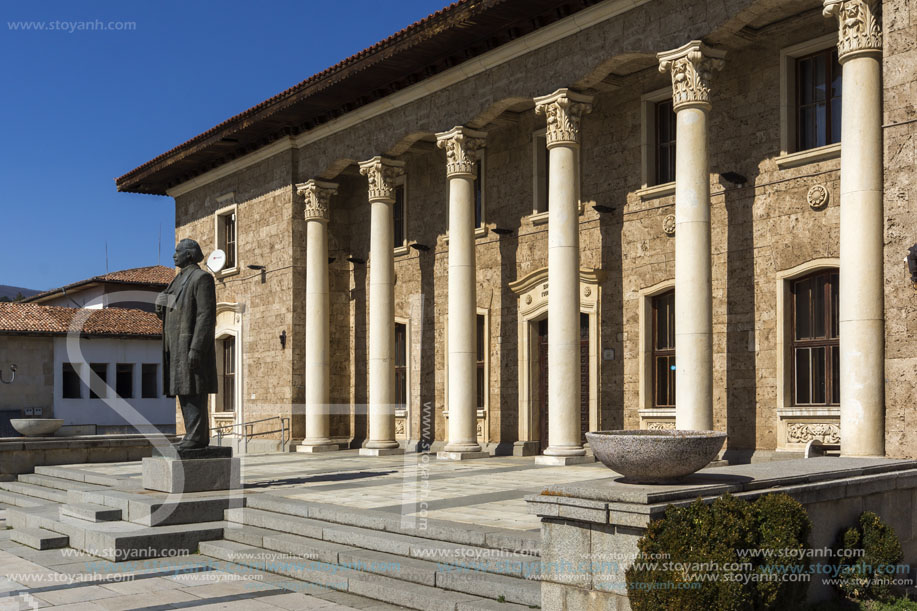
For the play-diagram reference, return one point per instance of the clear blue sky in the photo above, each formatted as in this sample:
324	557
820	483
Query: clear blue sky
83	107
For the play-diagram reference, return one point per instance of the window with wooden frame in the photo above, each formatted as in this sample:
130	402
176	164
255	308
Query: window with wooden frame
816	346
818	99
229	375
664	144
226	238
401	366
664	350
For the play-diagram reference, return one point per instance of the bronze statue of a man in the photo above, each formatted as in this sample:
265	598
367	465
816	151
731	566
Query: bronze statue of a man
188	311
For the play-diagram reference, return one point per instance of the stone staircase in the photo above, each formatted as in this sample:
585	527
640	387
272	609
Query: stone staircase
412	562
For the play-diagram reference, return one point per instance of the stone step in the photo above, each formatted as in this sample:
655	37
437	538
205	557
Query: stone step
90	512
117	540
375	586
482	559
39	538
14	499
463	577
525	542
39	492
79	475
57	483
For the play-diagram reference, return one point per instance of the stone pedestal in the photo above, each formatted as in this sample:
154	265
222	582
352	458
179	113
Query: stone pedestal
563	461
381	451
204	470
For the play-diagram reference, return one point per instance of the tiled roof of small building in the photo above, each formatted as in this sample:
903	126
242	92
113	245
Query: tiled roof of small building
154	276
34	319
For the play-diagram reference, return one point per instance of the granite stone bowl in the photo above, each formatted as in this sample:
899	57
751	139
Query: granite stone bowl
653	457
36	427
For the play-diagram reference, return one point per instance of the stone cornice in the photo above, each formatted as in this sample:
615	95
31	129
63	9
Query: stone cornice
860	26
586	276
563	111
381	174
692	67
317	195
462	146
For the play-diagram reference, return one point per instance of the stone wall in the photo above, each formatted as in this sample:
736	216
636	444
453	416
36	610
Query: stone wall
900	94
34	383
760	229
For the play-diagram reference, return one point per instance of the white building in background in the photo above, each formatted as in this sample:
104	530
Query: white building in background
96	362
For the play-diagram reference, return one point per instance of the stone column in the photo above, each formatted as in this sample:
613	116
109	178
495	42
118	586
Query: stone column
318	317
862	308
461	146
563	110
381	174
691	67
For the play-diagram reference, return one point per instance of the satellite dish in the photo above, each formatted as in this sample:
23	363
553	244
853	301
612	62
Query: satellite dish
216	261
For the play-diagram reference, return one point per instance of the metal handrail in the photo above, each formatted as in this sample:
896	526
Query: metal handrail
248	430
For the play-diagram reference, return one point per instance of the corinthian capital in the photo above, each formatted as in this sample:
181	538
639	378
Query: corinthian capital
564	110
462	146
692	68
317	195
381	174
860	25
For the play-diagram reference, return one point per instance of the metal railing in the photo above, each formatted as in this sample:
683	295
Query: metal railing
248	430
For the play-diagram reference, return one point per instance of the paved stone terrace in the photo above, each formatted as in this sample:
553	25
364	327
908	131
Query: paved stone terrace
486	492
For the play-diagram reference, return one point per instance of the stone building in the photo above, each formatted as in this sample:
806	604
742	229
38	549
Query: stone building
505	225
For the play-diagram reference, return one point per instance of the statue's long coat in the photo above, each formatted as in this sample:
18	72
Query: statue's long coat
189	324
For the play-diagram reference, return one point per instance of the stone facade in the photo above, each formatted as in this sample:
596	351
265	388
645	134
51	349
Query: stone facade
759	229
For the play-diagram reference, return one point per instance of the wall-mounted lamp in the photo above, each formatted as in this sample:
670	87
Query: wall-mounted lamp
602	209
912	264
502	231
283	339
733	177
420	247
356	260
263	271
12	374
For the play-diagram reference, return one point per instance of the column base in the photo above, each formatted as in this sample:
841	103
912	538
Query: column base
309	448
450	455
565	451
563	461
381	451
380	445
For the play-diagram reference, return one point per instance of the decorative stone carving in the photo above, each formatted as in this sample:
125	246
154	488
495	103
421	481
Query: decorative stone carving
462	146
399	426
661	426
317	195
563	110
804	432
692	67
859	23
817	197
381	174
668	224
480	430
587	291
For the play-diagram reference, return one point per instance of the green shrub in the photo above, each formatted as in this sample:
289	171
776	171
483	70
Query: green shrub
702	570
865	553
